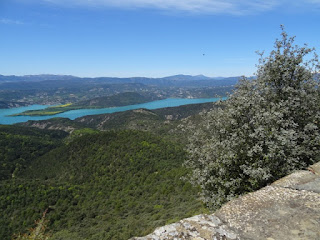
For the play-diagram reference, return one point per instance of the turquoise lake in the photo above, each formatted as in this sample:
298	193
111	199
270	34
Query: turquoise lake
170	102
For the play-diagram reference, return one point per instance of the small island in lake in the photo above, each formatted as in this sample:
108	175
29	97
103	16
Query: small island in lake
118	100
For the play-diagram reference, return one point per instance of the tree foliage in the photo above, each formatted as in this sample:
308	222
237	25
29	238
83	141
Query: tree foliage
268	127
37	233
20	145
105	185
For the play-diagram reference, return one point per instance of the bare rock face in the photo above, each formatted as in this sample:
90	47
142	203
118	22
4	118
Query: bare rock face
199	227
287	209
274	213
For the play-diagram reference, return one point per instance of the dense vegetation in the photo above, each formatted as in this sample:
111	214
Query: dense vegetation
117	100
19	146
39	232
161	122
64	124
143	117
110	185
268	127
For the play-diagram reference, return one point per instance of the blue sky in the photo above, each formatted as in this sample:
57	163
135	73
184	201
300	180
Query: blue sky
151	38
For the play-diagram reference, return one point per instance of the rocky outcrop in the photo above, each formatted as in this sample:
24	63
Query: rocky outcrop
287	209
64	124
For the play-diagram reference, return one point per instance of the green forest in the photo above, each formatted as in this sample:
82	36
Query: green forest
108	185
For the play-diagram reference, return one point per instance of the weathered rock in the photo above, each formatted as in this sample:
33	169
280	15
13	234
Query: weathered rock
296	178
199	227
302	180
274	213
315	168
288	209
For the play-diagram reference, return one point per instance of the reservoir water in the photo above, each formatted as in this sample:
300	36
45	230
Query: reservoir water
170	102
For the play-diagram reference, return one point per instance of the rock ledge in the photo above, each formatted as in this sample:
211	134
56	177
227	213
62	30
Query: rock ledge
287	209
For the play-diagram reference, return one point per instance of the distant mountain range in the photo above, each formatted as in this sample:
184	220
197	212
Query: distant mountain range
174	81
46	77
35	78
10	82
182	77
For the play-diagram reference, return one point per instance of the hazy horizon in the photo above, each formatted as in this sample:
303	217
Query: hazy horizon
98	76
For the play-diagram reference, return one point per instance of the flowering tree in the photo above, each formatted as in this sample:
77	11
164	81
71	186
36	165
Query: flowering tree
268	127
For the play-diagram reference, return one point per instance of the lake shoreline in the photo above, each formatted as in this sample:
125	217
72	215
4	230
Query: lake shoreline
169	102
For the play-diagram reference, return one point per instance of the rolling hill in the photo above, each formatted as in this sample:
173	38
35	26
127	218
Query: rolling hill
108	185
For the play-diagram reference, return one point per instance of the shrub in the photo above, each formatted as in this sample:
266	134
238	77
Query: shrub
268	127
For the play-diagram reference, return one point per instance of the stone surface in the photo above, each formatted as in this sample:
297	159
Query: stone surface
302	180
198	227
313	186
287	209
274	212
296	178
315	168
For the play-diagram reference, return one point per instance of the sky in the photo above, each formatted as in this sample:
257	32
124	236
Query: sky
148	38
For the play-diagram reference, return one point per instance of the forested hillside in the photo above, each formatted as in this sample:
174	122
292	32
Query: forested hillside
121	99
159	121
20	145
110	185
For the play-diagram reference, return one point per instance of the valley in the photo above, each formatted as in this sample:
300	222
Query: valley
109	176
60	90
106	176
